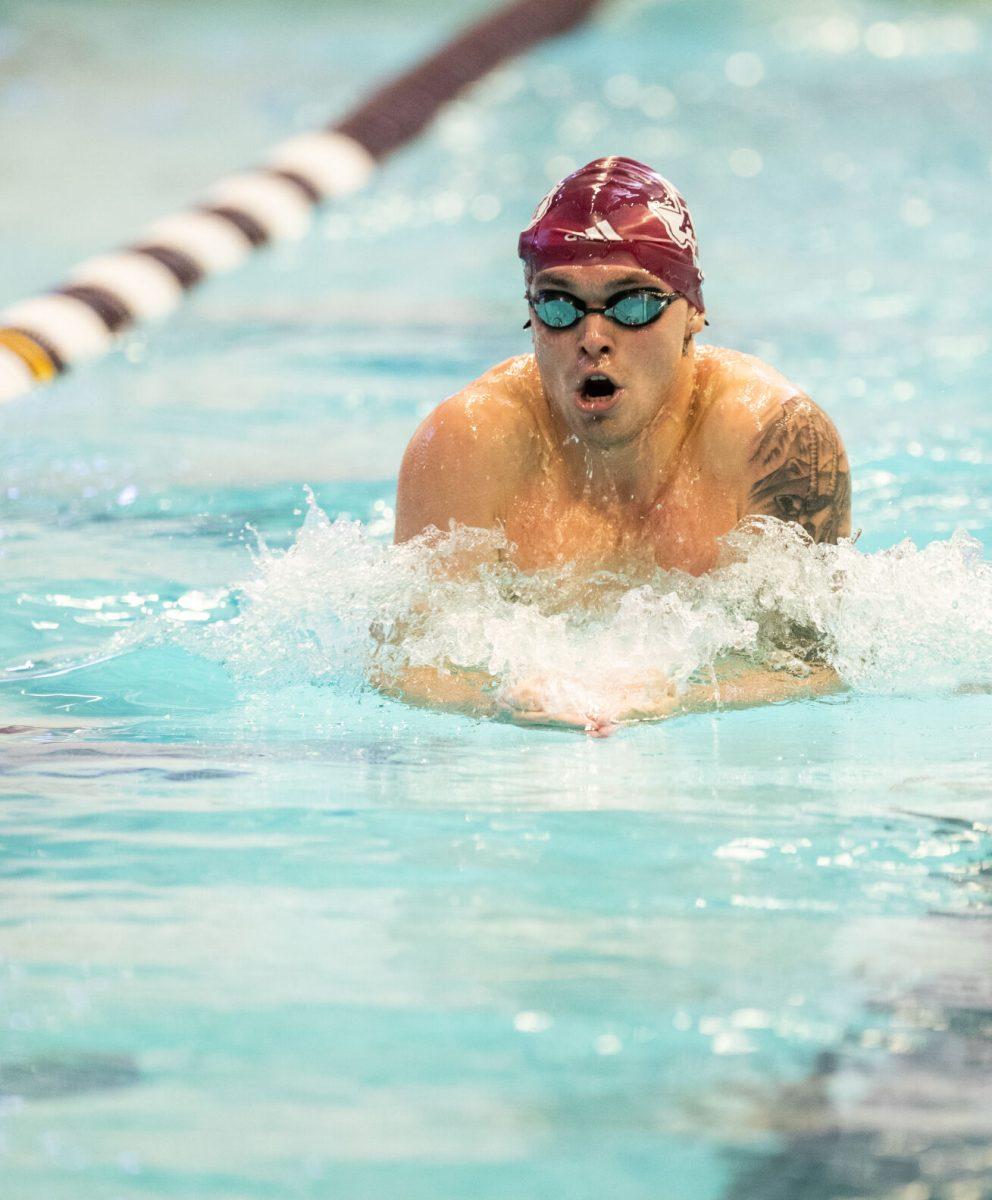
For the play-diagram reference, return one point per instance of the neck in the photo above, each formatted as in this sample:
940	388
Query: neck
633	473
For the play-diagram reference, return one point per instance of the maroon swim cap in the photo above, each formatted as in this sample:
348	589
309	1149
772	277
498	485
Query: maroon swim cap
613	205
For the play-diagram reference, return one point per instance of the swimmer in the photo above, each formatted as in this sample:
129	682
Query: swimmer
618	440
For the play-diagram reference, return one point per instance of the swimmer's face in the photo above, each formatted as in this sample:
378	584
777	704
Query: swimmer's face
643	364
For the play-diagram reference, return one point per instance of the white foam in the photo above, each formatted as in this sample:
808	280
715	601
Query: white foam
899	620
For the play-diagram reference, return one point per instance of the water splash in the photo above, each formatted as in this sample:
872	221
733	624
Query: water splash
904	619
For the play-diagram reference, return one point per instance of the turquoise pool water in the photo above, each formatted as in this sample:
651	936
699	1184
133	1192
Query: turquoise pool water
265	933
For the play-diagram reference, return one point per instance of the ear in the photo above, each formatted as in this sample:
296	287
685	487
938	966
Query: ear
693	325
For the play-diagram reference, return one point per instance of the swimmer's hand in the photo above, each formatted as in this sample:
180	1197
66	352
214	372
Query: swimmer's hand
559	703
526	704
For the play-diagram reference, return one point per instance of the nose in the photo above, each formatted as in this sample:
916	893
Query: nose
596	337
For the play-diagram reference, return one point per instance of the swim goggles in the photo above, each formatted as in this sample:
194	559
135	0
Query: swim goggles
558	310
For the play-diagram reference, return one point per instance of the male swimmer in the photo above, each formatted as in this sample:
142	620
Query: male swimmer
618	440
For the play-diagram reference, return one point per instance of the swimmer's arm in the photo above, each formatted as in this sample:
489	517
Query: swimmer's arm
658	700
797	471
755	687
469	693
460	466
653	697
476	694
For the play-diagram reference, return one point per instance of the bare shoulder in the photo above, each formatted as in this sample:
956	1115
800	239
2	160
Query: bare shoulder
479	425
740	394
469	452
771	441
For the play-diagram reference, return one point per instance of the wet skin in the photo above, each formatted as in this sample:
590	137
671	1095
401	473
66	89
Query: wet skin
689	443
692	442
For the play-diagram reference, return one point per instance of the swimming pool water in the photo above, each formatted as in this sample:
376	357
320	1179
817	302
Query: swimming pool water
266	933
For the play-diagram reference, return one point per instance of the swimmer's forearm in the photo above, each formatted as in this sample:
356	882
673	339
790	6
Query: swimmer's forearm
476	694
755	687
746	689
466	692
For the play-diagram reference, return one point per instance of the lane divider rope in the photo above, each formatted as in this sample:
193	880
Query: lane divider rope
43	336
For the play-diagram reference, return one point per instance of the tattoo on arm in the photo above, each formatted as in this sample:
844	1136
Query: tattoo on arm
802	473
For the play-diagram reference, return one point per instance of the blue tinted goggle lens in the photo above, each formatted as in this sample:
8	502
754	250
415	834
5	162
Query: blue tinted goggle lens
639	308
632	309
557	312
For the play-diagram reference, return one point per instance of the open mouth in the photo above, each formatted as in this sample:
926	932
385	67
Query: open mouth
597	392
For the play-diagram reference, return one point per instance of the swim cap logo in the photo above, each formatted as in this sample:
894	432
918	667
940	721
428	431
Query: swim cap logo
674	215
602	231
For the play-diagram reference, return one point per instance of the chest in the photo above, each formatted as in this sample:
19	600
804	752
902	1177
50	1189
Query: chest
680	531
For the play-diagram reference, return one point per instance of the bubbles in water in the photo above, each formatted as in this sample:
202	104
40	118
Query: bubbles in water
744	69
746	162
904	619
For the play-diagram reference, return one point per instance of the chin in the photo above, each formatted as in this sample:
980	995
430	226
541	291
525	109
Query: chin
605	432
